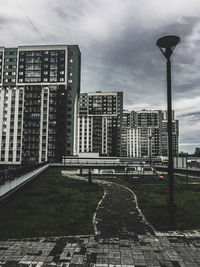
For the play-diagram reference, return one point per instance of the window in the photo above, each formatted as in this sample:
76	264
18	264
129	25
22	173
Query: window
32	79
53	53
53	79
53	73
54	59
53	66
62	52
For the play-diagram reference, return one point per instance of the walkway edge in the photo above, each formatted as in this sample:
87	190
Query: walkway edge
139	210
95	214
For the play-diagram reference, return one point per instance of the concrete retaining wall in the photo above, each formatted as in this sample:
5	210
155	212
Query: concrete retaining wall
11	186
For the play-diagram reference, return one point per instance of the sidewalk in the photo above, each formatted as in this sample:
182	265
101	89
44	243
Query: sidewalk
123	238
118	214
142	250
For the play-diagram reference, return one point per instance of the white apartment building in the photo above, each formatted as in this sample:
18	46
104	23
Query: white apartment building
39	90
144	133
99	122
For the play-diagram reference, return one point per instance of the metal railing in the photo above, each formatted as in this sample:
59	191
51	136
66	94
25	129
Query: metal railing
99	163
14	173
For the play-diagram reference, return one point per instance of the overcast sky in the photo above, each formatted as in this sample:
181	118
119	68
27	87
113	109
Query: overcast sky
117	41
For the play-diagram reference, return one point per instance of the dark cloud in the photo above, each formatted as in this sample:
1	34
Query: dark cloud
70	10
6	20
134	55
65	14
194	115
2	20
185	86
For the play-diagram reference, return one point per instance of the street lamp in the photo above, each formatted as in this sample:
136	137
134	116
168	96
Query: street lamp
167	44
150	147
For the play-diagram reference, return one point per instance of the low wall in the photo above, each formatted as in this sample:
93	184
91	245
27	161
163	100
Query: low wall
11	186
182	171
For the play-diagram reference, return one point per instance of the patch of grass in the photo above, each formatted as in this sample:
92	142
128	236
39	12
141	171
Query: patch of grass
153	199
51	205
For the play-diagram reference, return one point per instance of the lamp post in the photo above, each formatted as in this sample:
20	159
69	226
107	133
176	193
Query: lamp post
167	44
150	148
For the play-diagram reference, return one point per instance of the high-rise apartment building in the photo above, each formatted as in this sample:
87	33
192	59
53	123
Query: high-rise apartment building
39	92
99	123
175	134
144	133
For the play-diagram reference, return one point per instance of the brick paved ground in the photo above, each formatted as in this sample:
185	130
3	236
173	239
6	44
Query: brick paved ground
139	250
132	243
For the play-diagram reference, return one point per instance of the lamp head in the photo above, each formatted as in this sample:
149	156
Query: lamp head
167	44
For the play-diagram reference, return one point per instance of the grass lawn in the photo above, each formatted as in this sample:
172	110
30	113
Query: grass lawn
153	199
50	205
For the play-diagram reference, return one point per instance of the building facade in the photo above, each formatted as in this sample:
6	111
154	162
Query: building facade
175	134
39	92
99	123
144	133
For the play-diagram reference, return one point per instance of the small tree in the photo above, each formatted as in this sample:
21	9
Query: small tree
197	151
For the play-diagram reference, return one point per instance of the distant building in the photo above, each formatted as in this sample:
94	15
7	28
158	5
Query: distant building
99	122
144	133
126	126
175	134
39	92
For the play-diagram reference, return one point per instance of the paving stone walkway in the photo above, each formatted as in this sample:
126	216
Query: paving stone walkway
123	239
118	213
171	250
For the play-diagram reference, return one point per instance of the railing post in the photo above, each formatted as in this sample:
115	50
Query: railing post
89	176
